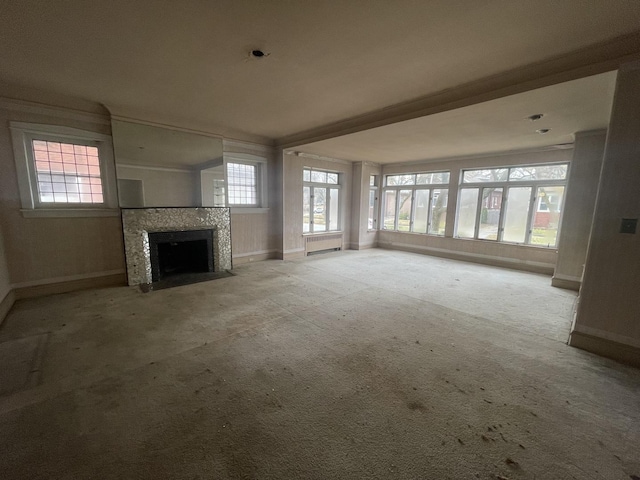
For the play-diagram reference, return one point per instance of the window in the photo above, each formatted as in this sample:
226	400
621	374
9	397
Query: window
373	203
242	184
416	202
321	201
516	205
63	171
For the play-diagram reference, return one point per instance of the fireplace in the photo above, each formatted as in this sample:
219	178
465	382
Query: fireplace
173	242
180	253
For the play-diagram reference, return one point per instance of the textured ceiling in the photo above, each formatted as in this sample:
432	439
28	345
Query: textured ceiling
186	62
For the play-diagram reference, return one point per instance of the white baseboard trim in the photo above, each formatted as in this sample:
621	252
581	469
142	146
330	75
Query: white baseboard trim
537	267
362	246
250	254
567	282
612	337
619	352
68	278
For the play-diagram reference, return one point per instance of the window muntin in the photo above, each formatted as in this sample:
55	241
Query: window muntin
320	201
65	183
242	184
415	203
524	206
67	172
430	178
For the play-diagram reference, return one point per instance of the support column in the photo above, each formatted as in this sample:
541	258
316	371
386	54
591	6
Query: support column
608	316
579	205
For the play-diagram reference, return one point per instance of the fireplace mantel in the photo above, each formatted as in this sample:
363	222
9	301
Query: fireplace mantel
137	223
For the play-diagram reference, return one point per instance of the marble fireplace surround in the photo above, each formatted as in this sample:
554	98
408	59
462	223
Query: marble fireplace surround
137	223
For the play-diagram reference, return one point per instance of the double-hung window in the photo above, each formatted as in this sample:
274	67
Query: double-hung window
62	170
416	202
321	201
245	182
512	204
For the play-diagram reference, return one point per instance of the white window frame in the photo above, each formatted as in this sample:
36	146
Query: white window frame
328	200
506	185
413	187
22	135
375	189
260	164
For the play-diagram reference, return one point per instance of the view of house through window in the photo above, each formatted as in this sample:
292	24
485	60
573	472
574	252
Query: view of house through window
416	202
321	201
516	205
67	172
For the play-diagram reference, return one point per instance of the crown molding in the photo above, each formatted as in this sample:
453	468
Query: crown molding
14	104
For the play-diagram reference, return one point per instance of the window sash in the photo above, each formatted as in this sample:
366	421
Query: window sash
410	195
532	205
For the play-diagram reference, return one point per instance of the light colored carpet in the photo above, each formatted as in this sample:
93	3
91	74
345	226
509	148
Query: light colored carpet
373	364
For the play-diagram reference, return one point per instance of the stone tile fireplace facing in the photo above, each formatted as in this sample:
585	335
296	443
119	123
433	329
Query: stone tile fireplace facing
138	223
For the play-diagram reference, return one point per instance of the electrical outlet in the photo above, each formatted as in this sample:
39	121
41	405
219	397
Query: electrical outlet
628	225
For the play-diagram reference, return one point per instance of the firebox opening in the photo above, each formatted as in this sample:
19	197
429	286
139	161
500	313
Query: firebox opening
181	253
176	258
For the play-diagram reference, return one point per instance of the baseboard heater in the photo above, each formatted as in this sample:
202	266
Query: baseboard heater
323	243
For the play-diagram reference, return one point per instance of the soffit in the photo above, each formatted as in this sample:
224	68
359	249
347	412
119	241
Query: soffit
496	126
186	63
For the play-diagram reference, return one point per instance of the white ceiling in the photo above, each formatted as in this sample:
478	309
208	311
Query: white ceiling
496	126
186	62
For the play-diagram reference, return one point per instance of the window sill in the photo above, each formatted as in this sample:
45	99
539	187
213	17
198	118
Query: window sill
243	210
70	212
316	234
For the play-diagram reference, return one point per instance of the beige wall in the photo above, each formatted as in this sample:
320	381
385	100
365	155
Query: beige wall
5	281
252	230
579	204
51	250
608	315
293	240
523	257
165	187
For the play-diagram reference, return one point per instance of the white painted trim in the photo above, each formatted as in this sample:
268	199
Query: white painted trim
589	133
614	337
49	110
494	258
318	157
21	135
248	210
149	167
249	254
164	125
569	278
550	148
294	250
228	144
69	212
68	278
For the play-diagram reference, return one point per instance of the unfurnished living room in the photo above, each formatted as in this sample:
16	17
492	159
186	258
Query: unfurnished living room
357	239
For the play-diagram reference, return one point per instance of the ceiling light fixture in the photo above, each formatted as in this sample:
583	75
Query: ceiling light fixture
535	117
258	54
542	131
